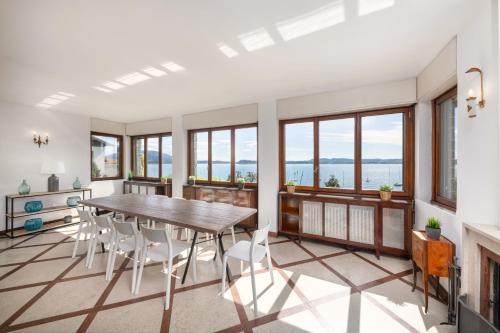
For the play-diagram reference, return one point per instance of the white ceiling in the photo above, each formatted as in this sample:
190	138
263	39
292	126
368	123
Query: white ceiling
71	46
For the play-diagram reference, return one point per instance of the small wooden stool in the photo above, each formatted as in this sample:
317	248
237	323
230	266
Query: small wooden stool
432	257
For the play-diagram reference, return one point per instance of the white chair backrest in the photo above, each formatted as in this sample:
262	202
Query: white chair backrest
156	235
84	215
125	228
260	235
103	222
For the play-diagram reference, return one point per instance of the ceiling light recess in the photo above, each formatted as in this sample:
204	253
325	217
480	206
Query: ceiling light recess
113	85
227	50
256	40
133	78
172	66
153	71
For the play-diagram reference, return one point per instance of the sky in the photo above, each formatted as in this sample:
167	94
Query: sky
245	144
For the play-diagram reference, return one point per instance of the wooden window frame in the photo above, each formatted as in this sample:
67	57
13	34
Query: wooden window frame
408	152
160	149
233	154
120	152
436	162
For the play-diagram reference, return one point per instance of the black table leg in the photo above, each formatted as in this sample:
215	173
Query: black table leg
193	243
215	254
221	254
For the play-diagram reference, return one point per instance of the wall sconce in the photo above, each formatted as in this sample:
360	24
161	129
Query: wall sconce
471	98
37	139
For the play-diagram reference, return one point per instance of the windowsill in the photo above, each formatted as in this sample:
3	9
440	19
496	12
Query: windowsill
448	209
108	178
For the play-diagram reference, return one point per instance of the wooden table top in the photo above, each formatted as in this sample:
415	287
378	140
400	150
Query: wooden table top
197	215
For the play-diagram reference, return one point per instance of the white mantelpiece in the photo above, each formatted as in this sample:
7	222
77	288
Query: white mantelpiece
475	236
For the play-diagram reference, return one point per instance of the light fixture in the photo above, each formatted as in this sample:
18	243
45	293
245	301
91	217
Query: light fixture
66	94
59	97
113	85
172	66
132	78
471	96
256	39
154	71
37	139
102	89
227	50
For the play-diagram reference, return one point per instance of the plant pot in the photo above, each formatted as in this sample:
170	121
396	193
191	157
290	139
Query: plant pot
191	181
164	181
433	233
241	186
290	188
385	196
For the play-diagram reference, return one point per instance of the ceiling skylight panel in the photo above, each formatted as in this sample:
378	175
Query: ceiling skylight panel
59	97
113	85
227	50
154	71
319	19
51	101
366	7
255	40
66	94
102	89
172	66
132	78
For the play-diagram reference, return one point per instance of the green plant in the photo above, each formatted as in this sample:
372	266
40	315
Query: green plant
192	177
291	183
332	182
164	178
433	223
96	172
240	180
385	188
130	174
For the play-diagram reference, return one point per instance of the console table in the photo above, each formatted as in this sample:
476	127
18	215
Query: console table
147	187
11	215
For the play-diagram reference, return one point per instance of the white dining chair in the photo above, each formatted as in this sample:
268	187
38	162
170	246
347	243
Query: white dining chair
85	228
252	252
127	238
159	247
102	233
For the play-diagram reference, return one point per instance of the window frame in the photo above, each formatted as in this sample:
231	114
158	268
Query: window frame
436	150
120	152
233	154
408	152
160	150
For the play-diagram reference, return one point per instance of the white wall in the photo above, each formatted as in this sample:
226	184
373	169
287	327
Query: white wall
243	114
149	127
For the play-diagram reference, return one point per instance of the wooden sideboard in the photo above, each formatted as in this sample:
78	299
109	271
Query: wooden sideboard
145	187
229	195
369	223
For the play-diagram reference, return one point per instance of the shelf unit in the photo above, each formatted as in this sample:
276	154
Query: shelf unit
11	215
147	187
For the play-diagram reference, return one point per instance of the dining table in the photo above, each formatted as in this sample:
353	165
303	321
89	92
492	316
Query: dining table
200	216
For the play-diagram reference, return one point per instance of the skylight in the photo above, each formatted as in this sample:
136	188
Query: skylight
366	7
43	105
102	89
60	97
154	71
172	66
255	40
227	50
316	20
133	78
66	94
51	101
113	85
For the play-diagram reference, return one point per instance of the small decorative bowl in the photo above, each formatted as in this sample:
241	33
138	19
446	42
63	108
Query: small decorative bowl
68	219
33	206
33	224
73	201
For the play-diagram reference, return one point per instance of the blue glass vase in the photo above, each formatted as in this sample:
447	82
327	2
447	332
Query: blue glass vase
24	188
33	224
33	206
73	201
76	184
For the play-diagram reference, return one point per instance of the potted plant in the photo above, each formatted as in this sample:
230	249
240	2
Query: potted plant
433	228
130	175
290	186
241	183
385	192
191	180
164	180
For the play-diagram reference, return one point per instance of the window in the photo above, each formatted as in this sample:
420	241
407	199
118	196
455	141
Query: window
152	156
350	153
222	155
444	149
106	156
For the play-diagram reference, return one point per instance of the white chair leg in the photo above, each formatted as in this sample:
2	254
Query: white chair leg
92	253
134	269
232	234
111	265
224	267
139	275
79	233
168	282
254	289
270	265
89	250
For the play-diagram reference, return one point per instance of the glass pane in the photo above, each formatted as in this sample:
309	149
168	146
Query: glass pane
299	153
166	156
382	151
153	157
139	158
246	154
336	153
221	156
105	156
448	149
199	155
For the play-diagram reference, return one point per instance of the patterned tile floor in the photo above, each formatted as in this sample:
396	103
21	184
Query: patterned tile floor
318	288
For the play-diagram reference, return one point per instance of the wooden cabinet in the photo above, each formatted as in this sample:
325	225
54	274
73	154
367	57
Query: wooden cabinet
432	257
148	188
384	226
229	195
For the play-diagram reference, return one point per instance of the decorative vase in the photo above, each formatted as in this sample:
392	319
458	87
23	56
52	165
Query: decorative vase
385	195
24	188
68	219
76	184
53	183
433	233
73	201
290	188
33	224
33	206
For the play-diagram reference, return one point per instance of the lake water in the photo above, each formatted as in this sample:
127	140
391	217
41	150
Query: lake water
373	175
